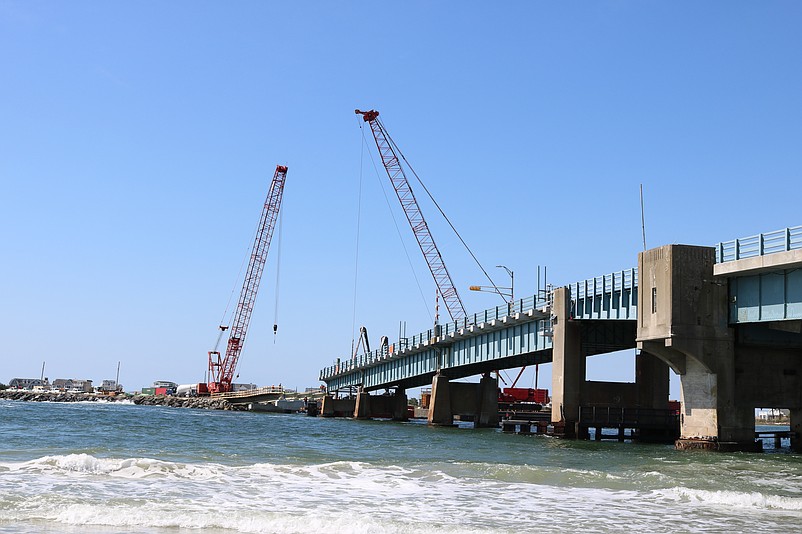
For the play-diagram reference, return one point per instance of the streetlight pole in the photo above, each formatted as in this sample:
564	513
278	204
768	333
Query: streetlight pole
503	292
512	282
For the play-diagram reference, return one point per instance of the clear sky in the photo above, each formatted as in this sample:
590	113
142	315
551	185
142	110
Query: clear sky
139	138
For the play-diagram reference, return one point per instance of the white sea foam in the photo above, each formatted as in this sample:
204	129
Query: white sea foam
133	468
336	497
346	496
735	499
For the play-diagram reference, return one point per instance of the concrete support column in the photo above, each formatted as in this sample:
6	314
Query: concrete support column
399	406
568	368
440	404
796	429
362	410
327	408
488	403
652	381
699	416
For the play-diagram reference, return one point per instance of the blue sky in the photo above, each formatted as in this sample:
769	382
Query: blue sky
139	140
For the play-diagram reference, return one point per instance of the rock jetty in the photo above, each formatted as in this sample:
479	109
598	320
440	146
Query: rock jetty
207	403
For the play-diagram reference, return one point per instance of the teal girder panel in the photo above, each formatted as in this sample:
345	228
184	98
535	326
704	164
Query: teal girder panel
771	296
485	342
511	329
611	296
513	340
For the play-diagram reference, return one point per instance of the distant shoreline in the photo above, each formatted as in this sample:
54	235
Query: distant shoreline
772	423
206	403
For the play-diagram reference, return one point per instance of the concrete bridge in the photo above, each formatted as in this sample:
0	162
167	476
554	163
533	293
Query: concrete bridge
727	319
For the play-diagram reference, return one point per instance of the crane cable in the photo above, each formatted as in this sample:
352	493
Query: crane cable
395	222
381	124
278	275
358	227
224	323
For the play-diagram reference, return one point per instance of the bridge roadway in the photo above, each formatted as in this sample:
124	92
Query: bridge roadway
741	293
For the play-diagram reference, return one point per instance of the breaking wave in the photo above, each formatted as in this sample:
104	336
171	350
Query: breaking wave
78	491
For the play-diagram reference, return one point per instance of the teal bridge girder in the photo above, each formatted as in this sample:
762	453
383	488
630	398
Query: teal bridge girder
519	333
771	295
498	338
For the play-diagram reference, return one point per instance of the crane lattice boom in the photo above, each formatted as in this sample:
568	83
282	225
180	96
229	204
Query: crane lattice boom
434	260
221	372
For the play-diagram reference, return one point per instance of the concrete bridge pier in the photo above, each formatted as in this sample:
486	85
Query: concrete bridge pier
469	400
390	406
334	407
440	413
796	429
363	407
572	341
568	366
400	402
683	319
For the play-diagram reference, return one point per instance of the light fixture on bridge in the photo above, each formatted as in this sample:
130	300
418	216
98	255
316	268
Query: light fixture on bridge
507	293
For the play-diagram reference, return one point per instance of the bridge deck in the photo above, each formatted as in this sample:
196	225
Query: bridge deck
520	333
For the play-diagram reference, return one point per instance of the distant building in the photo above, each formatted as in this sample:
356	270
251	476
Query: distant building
82	386
73	385
242	387
28	383
110	386
62	384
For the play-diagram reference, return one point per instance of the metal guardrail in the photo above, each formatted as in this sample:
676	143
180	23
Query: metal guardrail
605	284
759	245
746	247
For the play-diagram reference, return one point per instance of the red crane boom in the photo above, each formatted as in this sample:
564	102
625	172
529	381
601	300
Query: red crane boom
221	371
434	260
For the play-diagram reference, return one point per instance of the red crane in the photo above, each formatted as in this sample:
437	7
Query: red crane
395	171
221	371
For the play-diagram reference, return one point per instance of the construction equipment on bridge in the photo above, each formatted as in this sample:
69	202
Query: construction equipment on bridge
221	370
363	342
390	158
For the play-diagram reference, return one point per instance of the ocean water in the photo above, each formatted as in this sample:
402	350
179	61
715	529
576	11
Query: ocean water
112	468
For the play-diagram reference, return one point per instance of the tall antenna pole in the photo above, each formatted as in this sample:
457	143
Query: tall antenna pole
642	218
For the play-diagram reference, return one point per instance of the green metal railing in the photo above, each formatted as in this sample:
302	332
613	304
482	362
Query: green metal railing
759	245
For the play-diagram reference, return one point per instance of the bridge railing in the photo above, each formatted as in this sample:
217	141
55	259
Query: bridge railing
346	365
610	296
607	283
759	245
